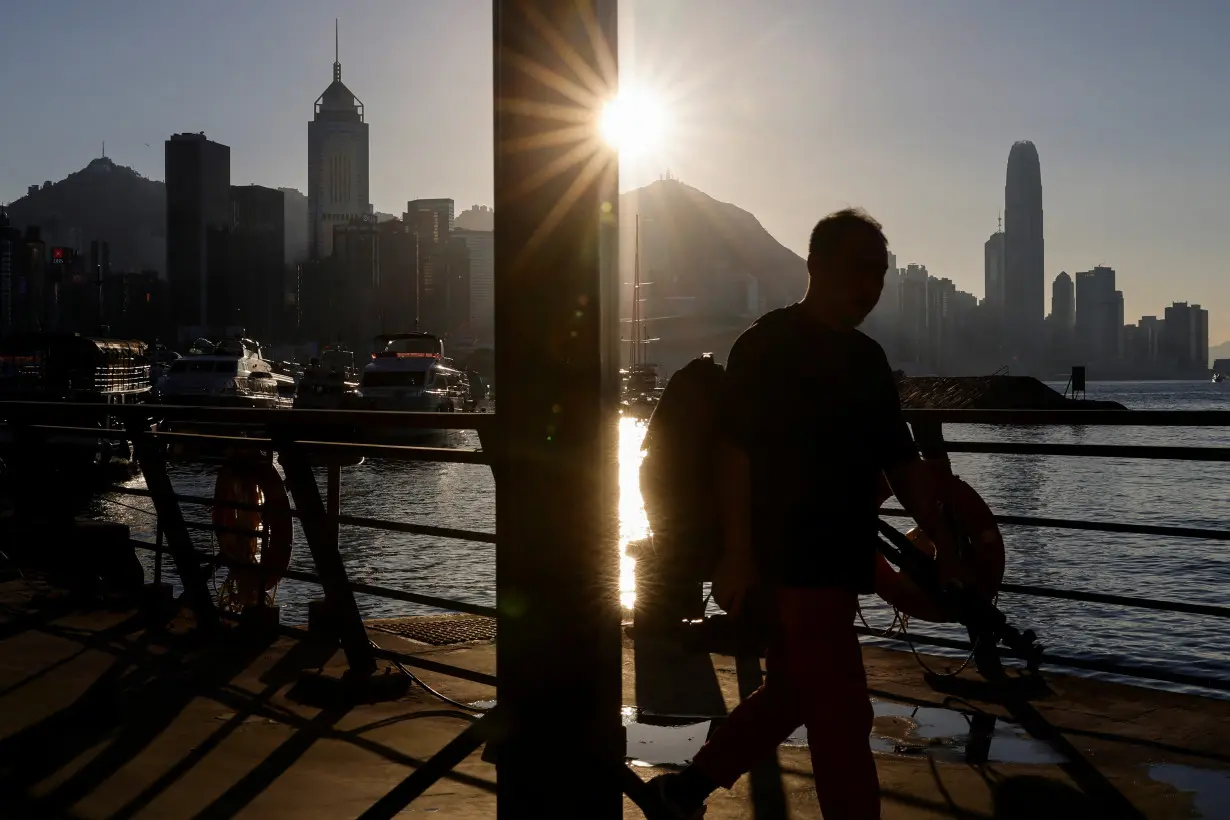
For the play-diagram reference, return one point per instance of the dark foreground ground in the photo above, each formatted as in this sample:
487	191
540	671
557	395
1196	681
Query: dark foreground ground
102	718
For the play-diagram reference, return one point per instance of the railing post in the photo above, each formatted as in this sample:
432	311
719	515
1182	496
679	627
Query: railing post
320	531
929	435
151	458
555	456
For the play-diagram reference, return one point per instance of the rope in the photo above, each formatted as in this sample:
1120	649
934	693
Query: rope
900	627
416	679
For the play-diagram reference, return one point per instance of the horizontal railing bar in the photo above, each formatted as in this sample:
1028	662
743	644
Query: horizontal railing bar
1089	450
476	536
365	589
202	526
114	433
399	595
1048	659
482	421
417	529
284	417
1074	418
396	452
1093	526
399	452
1117	600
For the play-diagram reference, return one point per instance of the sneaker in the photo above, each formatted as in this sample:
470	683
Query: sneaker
661	787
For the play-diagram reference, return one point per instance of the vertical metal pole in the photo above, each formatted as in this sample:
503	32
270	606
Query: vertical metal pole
333	500
556	195
158	556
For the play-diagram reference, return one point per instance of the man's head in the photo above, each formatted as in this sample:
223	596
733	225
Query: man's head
846	260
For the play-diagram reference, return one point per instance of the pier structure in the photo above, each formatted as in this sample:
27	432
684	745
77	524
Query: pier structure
181	717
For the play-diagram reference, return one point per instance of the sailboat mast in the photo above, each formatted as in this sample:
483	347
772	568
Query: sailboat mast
636	297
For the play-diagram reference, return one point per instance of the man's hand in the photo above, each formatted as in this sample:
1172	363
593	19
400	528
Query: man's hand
917	487
733	580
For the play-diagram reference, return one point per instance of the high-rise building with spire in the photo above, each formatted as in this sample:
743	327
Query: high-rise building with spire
337	161
1024	254
993	271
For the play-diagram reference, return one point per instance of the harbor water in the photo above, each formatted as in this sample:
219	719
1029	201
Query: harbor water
1152	492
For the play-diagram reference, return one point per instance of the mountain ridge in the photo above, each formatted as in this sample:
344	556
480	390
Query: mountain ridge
710	258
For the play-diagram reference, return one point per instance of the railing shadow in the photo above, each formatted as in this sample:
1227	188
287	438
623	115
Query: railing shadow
147	684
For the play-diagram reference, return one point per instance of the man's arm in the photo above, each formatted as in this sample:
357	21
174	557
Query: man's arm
913	482
911	479
736	572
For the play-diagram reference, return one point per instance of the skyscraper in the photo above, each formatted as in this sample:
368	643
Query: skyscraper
198	174
258	267
481	245
1063	301
337	162
1024	253
993	272
1099	315
1185	338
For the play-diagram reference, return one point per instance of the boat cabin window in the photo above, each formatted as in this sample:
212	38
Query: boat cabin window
425	346
394	378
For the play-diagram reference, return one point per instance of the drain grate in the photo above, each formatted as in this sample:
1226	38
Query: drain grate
438	630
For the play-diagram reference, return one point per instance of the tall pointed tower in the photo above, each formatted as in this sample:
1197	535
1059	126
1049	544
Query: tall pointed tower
337	161
1024	253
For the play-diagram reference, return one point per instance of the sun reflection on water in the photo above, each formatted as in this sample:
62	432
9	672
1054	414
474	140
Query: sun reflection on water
633	525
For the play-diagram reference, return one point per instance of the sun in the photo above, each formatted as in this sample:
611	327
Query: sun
634	122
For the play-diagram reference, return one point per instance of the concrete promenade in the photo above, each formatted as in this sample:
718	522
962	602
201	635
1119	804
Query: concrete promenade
101	717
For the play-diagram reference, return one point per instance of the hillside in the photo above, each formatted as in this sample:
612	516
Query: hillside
692	245
1221	351
711	268
101	201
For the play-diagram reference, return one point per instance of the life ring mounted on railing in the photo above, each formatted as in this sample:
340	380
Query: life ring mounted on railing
985	560
254	529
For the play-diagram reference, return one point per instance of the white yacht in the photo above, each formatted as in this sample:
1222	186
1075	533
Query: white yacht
408	372
231	373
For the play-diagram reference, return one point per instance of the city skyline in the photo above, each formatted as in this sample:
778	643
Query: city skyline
1120	191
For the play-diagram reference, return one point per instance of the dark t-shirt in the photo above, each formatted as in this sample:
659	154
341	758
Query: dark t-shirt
818	413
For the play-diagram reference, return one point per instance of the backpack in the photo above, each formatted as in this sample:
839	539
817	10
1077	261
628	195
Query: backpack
678	474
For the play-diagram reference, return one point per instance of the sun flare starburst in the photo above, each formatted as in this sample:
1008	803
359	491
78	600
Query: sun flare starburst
634	122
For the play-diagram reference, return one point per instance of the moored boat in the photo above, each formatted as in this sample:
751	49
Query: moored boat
230	374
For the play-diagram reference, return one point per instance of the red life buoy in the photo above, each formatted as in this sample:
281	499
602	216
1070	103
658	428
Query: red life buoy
255	564
985	563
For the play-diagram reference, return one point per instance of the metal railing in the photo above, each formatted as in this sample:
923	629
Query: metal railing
299	436
928	426
322	433
303	440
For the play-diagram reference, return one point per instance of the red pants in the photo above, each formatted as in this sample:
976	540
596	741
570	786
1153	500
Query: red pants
814	678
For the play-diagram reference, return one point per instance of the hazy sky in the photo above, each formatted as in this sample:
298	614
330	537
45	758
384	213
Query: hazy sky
788	108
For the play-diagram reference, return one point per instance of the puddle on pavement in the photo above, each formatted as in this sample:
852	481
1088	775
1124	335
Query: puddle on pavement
1210	789
899	729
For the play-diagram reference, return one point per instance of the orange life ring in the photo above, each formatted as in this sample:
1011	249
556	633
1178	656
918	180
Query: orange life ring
255	567
985	563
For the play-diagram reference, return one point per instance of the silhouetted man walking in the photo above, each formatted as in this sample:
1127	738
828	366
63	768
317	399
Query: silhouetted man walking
812	418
